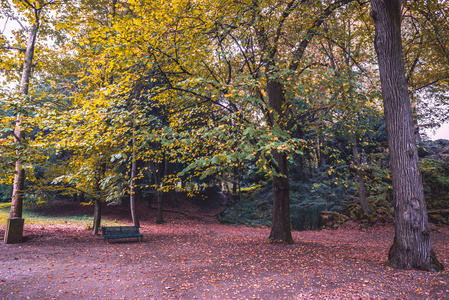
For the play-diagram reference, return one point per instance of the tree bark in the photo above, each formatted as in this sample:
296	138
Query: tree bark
17	192
97	201
235	189
361	186
158	181
281	226
160	208
132	192
19	178
411	248
19	135
97	216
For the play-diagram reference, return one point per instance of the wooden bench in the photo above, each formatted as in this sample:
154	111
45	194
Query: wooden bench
121	232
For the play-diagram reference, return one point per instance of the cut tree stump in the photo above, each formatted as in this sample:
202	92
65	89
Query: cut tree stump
14	230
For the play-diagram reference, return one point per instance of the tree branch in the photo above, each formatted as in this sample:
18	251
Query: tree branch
313	31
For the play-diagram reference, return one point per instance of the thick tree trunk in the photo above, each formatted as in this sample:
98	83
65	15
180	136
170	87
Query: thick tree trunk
361	187
411	247
97	216
281	226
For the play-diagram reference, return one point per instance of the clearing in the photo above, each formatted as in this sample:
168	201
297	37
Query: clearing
191	256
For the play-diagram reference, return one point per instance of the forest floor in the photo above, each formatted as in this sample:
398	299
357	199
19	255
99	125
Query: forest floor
192	256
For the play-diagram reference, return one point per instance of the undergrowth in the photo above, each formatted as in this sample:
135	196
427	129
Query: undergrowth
308	200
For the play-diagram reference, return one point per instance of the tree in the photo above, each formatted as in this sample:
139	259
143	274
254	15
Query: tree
240	69
411	247
33	11
132	183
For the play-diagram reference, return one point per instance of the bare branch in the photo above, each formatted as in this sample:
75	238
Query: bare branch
10	15
313	31
4	27
14	48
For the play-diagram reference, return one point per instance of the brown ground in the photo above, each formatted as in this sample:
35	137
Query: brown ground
193	257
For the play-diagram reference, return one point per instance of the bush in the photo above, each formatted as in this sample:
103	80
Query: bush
307	201
5	193
435	174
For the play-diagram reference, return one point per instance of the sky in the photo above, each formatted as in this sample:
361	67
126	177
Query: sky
440	133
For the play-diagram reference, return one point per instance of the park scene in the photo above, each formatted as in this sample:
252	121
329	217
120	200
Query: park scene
224	149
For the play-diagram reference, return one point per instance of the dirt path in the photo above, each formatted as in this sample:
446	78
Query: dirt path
189	259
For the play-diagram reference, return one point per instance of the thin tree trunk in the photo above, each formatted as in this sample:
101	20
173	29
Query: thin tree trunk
19	136
170	195
235	184
158	179
322	156
160	208
411	248
416	131
19	178
97	201
361	186
97	216
17	192
132	192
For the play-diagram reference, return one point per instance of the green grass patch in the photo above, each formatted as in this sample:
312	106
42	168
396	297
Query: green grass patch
33	218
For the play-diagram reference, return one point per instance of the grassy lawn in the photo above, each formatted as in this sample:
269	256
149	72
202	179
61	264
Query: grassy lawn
33	218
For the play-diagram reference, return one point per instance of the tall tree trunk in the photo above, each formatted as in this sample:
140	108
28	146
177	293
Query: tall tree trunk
132	192
361	186
416	131
160	211
322	156
97	216
157	180
19	136
235	185
281	226
411	247
17	192
101	168
170	195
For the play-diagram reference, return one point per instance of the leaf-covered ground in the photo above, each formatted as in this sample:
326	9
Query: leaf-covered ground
193	257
